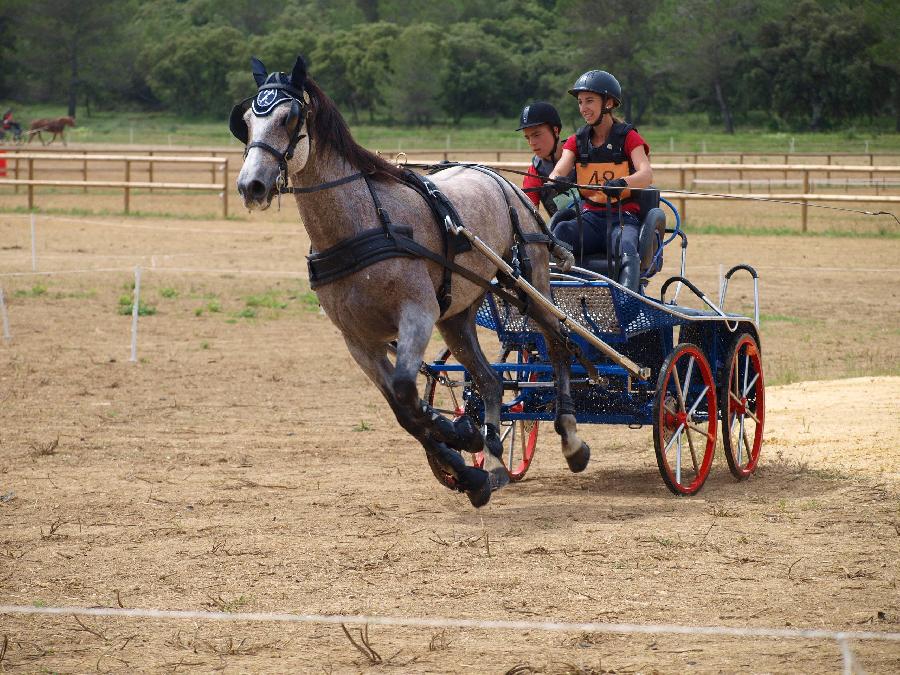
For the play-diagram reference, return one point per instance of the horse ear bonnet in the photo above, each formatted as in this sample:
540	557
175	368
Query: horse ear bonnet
274	89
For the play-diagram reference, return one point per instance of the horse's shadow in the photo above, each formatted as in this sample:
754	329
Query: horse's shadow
610	495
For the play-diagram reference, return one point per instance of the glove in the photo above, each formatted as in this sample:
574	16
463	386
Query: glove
548	192
612	188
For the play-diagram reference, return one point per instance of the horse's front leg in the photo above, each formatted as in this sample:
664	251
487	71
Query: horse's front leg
459	334
397	383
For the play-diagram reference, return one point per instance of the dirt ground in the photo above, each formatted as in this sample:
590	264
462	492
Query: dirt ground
244	464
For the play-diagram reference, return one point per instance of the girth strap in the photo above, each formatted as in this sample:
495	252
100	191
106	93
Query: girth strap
352	255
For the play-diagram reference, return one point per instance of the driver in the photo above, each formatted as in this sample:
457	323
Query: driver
611	154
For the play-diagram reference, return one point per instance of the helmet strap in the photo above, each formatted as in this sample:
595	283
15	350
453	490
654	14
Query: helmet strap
603	111
555	144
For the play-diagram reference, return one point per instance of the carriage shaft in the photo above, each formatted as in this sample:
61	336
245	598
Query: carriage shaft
543	301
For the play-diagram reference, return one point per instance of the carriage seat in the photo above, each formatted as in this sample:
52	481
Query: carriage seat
650	239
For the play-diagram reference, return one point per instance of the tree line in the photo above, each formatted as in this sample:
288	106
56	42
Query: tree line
805	65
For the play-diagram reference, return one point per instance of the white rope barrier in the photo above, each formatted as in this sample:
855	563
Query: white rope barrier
442	622
197	270
842	638
138	226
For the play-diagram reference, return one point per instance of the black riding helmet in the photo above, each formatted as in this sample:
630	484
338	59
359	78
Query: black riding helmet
539	112
599	82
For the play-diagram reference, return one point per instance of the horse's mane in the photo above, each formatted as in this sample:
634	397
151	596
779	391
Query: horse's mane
329	127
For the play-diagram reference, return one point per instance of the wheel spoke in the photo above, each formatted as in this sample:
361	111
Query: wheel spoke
750	386
687	432
740	448
747	445
678	462
700	431
678	387
697	402
746	367
512	445
669	410
687	378
674	437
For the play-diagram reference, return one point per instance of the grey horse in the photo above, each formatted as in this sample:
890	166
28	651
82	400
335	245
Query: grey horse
303	136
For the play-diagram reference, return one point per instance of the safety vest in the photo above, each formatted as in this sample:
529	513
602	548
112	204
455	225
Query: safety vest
551	198
596	165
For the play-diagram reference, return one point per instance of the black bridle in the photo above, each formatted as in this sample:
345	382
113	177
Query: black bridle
300	109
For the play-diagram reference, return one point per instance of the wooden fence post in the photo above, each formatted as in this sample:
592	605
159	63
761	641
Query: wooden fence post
16	174
127	180
84	170
150	171
805	208
225	189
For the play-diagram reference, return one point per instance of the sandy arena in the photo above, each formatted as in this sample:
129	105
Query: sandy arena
244	464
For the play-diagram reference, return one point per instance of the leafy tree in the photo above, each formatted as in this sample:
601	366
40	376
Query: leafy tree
190	74
277	51
413	89
710	48
85	38
352	65
813	66
620	42
478	73
882	19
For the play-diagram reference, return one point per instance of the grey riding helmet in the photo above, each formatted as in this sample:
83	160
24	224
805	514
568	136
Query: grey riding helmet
599	82
539	112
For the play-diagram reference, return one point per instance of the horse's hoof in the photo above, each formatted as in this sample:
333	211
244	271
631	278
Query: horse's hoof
468	434
578	461
499	479
477	486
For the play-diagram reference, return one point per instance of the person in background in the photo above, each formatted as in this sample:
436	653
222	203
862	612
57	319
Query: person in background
611	154
540	124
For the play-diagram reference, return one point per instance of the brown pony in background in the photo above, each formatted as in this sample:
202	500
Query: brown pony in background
54	125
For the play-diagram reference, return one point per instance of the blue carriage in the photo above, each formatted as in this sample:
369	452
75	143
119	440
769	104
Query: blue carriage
644	361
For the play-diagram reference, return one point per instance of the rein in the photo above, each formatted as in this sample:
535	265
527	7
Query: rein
569	184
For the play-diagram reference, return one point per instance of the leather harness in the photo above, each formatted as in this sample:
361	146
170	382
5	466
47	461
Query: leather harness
393	241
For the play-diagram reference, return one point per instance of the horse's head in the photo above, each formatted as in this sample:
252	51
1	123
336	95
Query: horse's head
272	124
68	121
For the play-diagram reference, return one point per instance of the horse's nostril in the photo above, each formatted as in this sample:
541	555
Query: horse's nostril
256	189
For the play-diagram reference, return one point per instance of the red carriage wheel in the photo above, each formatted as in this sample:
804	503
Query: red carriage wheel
444	394
519	437
742	401
685	419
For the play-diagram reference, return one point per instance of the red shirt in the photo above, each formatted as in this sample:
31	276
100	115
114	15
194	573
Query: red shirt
532	180
632	140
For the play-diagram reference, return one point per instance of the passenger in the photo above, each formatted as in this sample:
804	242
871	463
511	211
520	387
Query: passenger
541	126
608	152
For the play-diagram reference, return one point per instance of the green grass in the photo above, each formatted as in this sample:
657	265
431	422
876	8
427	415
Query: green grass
267	300
781	318
685	133
126	307
35	291
168	293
